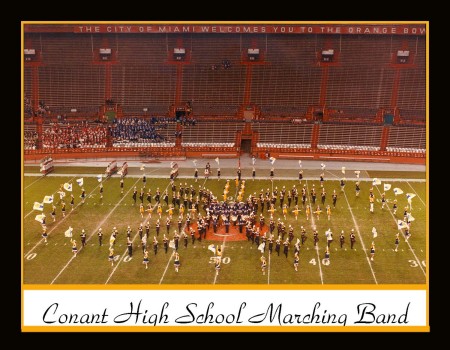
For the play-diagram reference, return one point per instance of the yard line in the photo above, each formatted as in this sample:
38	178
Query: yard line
223	248
167	266
360	238
407	242
93	232
268	270
313	224
416	193
52	194
39	178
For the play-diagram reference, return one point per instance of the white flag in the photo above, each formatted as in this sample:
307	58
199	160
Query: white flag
62	194
40	218
261	247
142	167
401	224
272	160
38	206
374	231
357	173
343	170
217	160
387	187
172	244
212	248
253	160
80	182
300	163
48	199
410	196
68	232
120	172
376	181
322	166
397	191
99	178
195	162
410	217
68	187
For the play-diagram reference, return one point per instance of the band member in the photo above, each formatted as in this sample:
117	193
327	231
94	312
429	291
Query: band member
323	196
372	251
307	212
157	195
271	226
263	264
185	239
313	195
130	247
296	211
329	212
176	239
316	237
383	201
128	231
72	201
165	243
286	247
63	208
289	198
83	195
278	245
74	247
327	256
157	227
196	174
371	201
155	245
218	174
100	236
192	232
149	196
144	180
271	210
159	210
397	242
83	237
141	195
352	239
121	185
140	230
53	214
357	188
300	176
334	198
111	256
168	222
296	260
101	190
318	212
342	238
44	234
166	197
141	210
177	261
134	194
253	174
271	174
303	235
329	235
145	260
394	207
321	179
285	211
144	243
342	185
407	234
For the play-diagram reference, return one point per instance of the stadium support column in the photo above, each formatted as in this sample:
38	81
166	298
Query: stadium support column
39	122
178	87
394	96
315	135
248	83
108	81
323	86
35	87
384	137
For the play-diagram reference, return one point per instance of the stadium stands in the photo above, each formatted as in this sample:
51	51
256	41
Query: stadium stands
284	135
210	134
349	137
407	139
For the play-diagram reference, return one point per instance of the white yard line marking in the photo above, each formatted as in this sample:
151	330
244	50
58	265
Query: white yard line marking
93	232
360	238
39	178
52	194
409	245
167	266
312	226
416	193
223	249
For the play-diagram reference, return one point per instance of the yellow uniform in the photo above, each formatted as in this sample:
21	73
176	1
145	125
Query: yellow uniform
182	209
329	212
159	210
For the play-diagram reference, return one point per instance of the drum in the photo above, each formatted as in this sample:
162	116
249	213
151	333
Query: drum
234	218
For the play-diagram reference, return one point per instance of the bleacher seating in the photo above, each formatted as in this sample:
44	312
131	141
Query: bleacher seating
284	133
211	134
349	136
405	137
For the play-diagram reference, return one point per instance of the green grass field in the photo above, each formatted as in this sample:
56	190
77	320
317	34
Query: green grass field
53	262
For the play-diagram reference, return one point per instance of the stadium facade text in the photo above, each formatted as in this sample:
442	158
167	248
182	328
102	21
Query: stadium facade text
409	29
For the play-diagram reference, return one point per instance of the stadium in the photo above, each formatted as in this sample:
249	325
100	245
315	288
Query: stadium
224	142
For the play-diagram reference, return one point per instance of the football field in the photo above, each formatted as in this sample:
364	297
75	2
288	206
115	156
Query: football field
53	262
